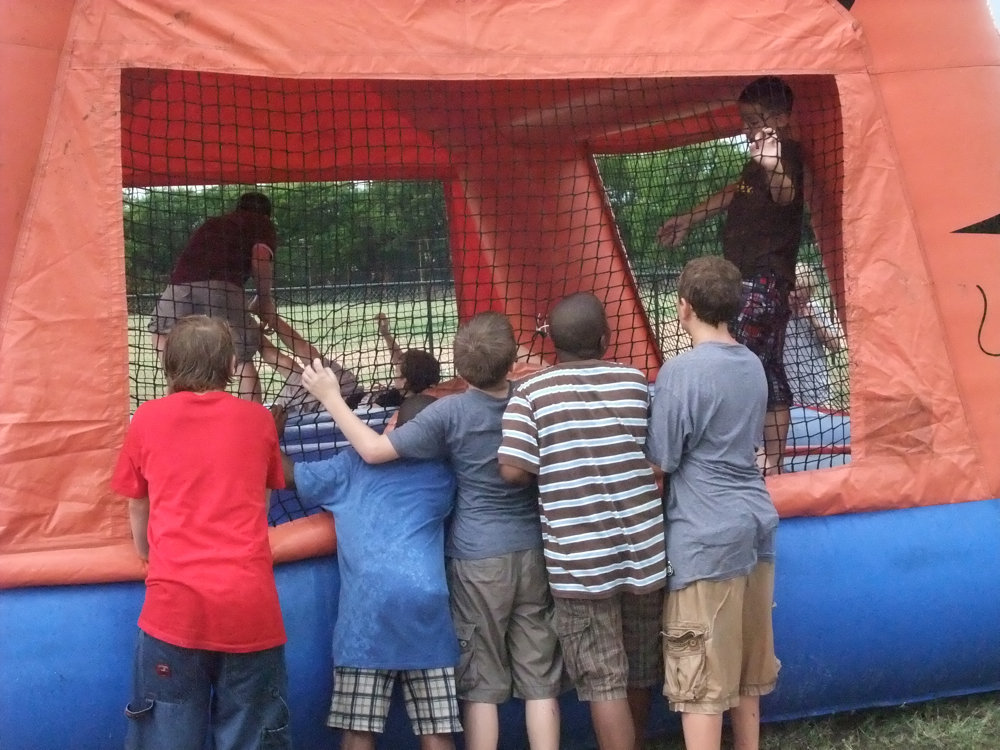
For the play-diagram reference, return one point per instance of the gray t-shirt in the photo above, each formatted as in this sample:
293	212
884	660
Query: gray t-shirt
707	420
491	518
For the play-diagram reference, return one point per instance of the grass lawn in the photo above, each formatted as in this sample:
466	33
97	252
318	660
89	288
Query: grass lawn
968	723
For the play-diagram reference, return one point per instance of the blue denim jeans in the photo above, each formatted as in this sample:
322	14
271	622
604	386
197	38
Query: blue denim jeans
189	699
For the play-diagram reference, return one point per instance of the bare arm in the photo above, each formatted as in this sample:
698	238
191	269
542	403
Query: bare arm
288	468
395	353
675	229
262	269
138	519
295	341
515	475
830	335
323	384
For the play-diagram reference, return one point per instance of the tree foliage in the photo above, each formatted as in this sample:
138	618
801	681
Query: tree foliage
645	189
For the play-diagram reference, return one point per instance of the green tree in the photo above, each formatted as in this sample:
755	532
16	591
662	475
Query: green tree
645	189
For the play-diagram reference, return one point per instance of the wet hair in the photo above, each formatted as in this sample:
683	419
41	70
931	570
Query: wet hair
713	288
485	349
257	203
412	406
420	370
579	327
771	93
198	354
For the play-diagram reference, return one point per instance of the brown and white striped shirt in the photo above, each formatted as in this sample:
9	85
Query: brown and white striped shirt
580	427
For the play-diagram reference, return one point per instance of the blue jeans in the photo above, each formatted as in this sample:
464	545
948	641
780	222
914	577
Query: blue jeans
189	699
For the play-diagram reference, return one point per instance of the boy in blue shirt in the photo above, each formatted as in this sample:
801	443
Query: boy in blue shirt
500	598
393	620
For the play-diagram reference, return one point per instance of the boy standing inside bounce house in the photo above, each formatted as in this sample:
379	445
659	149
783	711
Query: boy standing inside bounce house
707	417
198	464
761	237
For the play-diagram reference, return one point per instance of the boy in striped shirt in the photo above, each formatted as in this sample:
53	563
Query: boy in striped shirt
579	427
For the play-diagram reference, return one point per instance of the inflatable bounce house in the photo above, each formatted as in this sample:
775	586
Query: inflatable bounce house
431	159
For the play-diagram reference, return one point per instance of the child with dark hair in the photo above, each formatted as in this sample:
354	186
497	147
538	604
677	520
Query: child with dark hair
761	236
393	623
500	600
579	428
198	465
706	422
415	369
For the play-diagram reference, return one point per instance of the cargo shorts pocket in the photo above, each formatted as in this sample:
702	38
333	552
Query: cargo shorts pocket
685	664
466	674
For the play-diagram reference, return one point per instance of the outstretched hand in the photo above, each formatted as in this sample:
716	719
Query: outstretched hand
674	230
383	324
321	381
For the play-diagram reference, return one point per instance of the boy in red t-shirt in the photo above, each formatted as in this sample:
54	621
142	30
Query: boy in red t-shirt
198	465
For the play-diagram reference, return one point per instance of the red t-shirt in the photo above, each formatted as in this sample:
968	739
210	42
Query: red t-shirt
221	249
205	461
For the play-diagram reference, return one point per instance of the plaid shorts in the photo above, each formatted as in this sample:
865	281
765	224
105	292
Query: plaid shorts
611	645
361	699
760	327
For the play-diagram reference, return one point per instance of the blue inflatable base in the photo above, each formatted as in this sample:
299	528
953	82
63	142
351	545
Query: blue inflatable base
871	609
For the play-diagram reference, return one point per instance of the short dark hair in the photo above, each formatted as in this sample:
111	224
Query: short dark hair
485	349
198	355
713	288
579	326
257	203
771	93
420	370
412	406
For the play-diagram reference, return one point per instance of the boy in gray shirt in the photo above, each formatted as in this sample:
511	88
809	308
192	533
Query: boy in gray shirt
706	422
500	597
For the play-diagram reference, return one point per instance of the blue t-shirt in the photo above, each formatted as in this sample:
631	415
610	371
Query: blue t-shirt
492	518
393	611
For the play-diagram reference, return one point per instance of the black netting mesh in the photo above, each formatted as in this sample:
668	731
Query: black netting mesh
356	241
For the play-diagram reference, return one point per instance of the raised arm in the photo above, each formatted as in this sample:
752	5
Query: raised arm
395	353
322	383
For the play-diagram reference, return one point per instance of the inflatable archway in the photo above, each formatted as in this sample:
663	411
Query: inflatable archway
897	113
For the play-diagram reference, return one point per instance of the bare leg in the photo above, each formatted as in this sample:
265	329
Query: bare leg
775	435
613	724
542	719
437	742
746	723
639	700
481	724
248	383
702	731
352	740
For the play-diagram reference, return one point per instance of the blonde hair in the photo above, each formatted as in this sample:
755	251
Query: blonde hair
199	354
